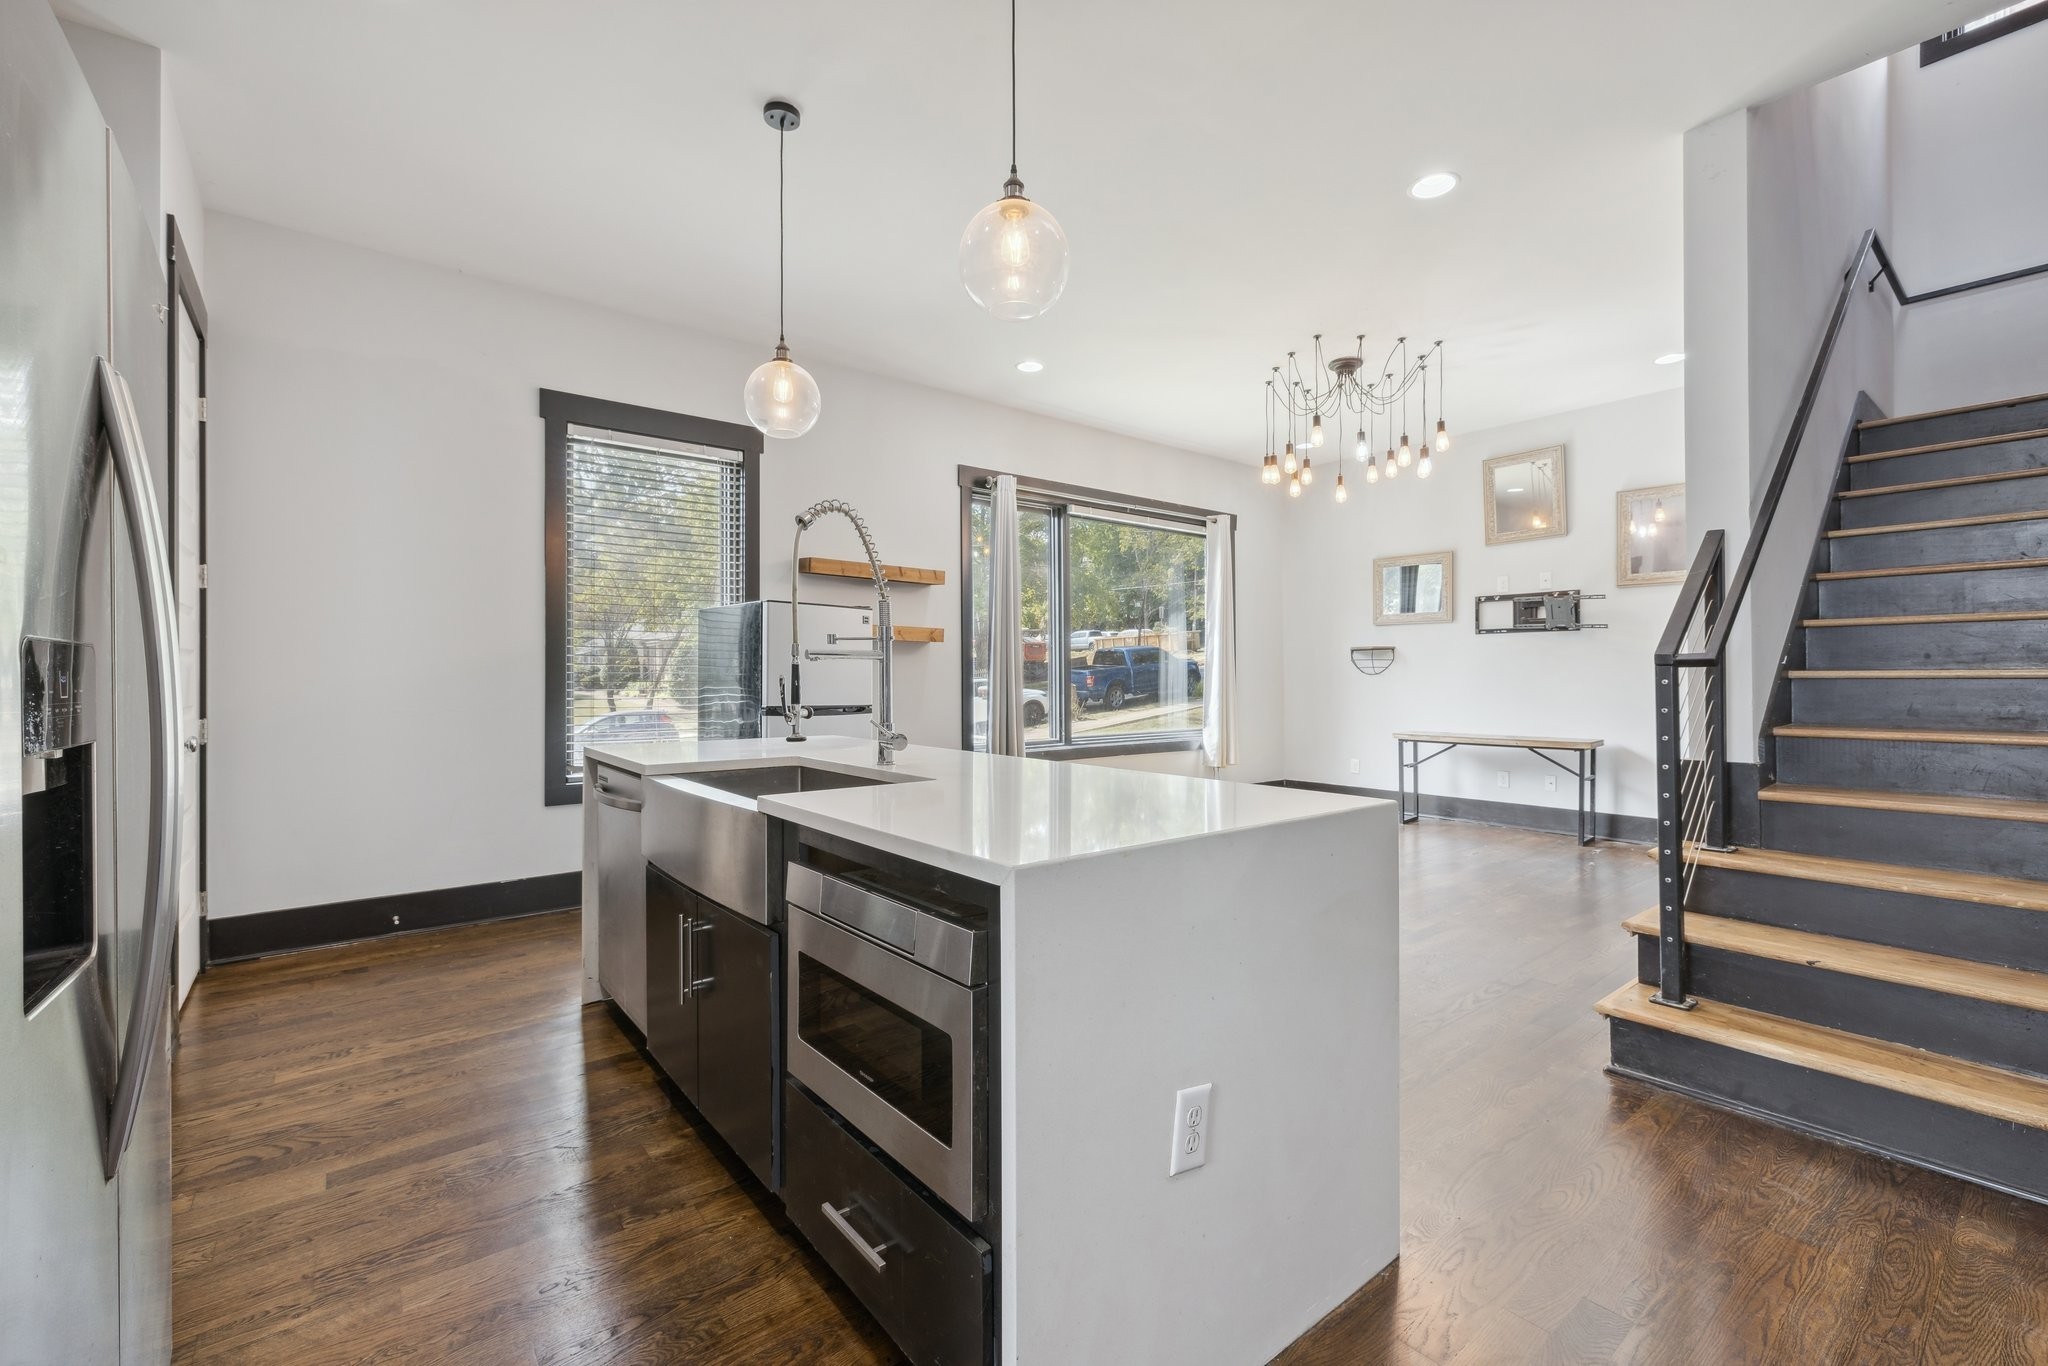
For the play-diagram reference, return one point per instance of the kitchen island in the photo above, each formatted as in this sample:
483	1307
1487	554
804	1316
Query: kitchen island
1146	934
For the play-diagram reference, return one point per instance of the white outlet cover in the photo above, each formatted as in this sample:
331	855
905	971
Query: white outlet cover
1500	583
1549	783
1500	777
1354	765
1190	1129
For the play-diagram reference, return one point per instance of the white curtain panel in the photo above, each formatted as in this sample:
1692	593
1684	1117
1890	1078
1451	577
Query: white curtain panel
1219	637
1005	624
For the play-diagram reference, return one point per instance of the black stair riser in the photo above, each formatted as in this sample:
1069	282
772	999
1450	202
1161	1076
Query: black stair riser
1929	431
1946	545
1960	500
1936	645
1995	1152
2004	935
1966	590
1962	843
1930	703
1989	1032
1916	469
1900	766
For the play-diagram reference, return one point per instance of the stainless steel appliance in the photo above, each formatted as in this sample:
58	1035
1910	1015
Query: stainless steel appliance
89	813
621	891
888	1025
743	671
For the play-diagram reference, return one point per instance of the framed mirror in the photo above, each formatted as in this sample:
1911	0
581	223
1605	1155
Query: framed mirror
1408	590
1649	535
1525	496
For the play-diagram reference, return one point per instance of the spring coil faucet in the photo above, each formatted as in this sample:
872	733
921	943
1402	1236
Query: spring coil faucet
887	739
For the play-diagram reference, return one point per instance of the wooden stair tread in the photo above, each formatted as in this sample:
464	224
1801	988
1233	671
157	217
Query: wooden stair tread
1926	619
1854	957
1916	673
1893	1067
1982	889
1954	567
1959	481
1918	737
1944	523
1950	412
1918	803
1963	443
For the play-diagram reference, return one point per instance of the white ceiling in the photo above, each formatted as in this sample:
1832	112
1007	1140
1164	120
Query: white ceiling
1232	176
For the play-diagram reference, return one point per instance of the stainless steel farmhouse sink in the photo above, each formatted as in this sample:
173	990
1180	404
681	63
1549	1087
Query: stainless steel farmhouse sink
779	779
707	832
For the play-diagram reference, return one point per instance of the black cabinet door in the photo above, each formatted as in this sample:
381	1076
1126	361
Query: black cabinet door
737	971
674	913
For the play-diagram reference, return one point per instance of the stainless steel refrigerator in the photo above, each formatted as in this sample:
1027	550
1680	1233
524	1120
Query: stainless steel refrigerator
88	807
743	670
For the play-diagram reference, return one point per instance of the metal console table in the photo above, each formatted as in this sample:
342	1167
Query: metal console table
1585	768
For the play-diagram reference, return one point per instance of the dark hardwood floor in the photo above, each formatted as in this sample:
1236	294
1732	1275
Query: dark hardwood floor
421	1150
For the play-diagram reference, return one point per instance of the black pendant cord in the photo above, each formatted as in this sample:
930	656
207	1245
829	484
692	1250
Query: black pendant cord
781	239
1013	88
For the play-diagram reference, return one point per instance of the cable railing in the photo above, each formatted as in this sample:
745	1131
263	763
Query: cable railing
1692	654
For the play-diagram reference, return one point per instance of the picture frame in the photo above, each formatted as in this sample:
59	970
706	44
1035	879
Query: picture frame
1524	496
1414	590
1649	536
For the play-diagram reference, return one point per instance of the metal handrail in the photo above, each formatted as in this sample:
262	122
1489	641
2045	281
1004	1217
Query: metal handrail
1704	592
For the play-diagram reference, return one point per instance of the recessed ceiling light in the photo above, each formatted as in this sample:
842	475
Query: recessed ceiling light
1434	185
1671	358
1030	367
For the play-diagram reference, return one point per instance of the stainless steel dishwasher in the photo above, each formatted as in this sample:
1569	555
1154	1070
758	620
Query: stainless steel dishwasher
621	893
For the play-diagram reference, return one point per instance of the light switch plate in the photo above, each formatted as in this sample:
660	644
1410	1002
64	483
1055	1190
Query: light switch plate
1190	1129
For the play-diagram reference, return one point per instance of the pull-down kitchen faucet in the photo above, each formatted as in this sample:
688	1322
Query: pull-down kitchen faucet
887	739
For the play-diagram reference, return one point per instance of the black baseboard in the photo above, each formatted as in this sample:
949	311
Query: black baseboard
235	937
1555	820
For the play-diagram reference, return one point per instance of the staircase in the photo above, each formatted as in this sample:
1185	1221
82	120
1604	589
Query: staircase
1870	962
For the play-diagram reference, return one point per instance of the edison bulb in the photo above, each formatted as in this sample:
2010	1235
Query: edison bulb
1443	436
1315	432
1308	471
1393	466
1372	470
1422	466
1407	452
1343	494
1294	488
1013	257
1290	464
1363	449
782	398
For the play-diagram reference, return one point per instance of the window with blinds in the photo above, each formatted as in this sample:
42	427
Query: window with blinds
653	529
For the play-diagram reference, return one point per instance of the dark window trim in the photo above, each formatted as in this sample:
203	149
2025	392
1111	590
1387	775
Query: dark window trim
973	480
1955	40
186	299
558	412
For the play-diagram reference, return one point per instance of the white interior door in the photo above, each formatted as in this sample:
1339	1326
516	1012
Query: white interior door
188	482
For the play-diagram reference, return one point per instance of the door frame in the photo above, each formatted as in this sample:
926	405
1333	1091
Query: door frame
186	300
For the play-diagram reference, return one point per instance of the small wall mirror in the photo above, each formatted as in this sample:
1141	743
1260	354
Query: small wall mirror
1525	496
1649	535
1412	589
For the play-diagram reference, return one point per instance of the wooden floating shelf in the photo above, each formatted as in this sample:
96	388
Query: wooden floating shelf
855	569
918	635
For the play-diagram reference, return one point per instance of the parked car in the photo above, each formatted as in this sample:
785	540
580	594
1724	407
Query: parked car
622	728
1116	675
1081	640
1035	708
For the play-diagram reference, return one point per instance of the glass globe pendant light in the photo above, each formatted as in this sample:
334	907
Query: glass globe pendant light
781	397
1013	256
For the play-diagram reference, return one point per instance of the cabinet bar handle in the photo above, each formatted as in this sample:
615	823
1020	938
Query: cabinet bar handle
871	1255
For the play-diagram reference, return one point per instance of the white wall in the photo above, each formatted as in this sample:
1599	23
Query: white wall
1444	677
1777	198
133	88
1970	199
375	546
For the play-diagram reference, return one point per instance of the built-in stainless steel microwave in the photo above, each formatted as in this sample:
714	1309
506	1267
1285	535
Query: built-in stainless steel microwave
888	1025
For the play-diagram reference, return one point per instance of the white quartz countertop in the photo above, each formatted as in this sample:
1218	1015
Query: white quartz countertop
987	815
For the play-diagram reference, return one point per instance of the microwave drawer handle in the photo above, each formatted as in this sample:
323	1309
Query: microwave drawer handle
869	1254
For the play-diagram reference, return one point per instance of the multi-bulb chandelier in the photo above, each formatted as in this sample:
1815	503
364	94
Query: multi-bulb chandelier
1296	406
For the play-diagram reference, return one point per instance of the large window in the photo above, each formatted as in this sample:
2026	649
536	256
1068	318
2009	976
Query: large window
1113	619
649	517
1976	33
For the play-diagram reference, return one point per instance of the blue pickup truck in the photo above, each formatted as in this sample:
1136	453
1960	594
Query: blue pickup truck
1116	675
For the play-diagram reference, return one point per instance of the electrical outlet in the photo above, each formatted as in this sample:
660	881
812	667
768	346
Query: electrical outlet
1190	1129
1550	782
1500	583
1543	579
1354	765
1500	778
